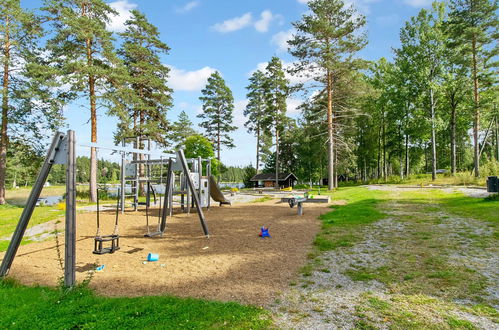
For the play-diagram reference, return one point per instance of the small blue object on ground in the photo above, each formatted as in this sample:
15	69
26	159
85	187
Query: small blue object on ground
264	232
100	268
152	257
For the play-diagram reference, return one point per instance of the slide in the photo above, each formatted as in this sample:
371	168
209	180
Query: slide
216	193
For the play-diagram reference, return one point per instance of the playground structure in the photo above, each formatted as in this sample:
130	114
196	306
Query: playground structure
182	177
299	201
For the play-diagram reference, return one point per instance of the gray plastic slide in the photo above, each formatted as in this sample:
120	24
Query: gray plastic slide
216	193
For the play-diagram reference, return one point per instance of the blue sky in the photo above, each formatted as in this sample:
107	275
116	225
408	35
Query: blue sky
235	38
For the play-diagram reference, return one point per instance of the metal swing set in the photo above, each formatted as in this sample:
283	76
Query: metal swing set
193	188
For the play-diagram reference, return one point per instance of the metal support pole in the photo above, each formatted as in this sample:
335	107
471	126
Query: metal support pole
170	198
208	175
200	173
191	187
168	192
187	177
122	176
30	204
70	233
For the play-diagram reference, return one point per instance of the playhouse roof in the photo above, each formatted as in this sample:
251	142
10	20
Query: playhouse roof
271	176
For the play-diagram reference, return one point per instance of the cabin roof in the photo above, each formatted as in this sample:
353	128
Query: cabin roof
271	176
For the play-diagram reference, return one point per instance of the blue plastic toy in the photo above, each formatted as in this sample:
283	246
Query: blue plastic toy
264	232
152	257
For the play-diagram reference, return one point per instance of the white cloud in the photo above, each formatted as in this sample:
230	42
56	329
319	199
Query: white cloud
239	118
188	7
303	1
292	105
233	24
266	17
183	80
117	22
237	23
418	3
280	39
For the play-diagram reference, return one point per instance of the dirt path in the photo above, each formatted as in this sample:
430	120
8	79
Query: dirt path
417	268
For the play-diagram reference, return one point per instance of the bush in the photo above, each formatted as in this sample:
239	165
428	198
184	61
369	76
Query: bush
249	172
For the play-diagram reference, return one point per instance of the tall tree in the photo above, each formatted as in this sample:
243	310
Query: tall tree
217	116
28	108
423	46
325	43
84	57
255	112
180	130
147	97
473	25
276	91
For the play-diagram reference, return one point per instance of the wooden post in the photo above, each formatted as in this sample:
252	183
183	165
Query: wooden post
70	232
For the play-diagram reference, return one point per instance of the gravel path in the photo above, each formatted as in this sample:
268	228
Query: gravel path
330	299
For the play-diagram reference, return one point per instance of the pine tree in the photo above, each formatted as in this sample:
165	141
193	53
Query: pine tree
325	42
217	116
85	59
276	91
473	26
180	130
423	47
28	105
255	112
146	97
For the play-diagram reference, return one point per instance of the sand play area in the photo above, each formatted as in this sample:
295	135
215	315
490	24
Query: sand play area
234	264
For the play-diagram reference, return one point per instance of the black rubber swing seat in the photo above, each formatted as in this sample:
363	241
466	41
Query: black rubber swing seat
99	244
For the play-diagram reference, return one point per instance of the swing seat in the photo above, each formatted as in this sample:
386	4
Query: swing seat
99	244
153	234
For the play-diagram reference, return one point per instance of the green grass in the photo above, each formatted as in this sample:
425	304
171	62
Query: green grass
23	307
10	215
20	195
338	229
409	312
361	207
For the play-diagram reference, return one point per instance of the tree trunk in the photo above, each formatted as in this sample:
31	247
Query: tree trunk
93	117
384	149
257	148
330	153
276	157
407	155
453	140
335	162
379	153
4	140
401	156
93	150
497	138
476	123
218	149
433	139
426	157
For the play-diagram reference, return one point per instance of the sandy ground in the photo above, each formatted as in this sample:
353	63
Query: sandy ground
233	264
